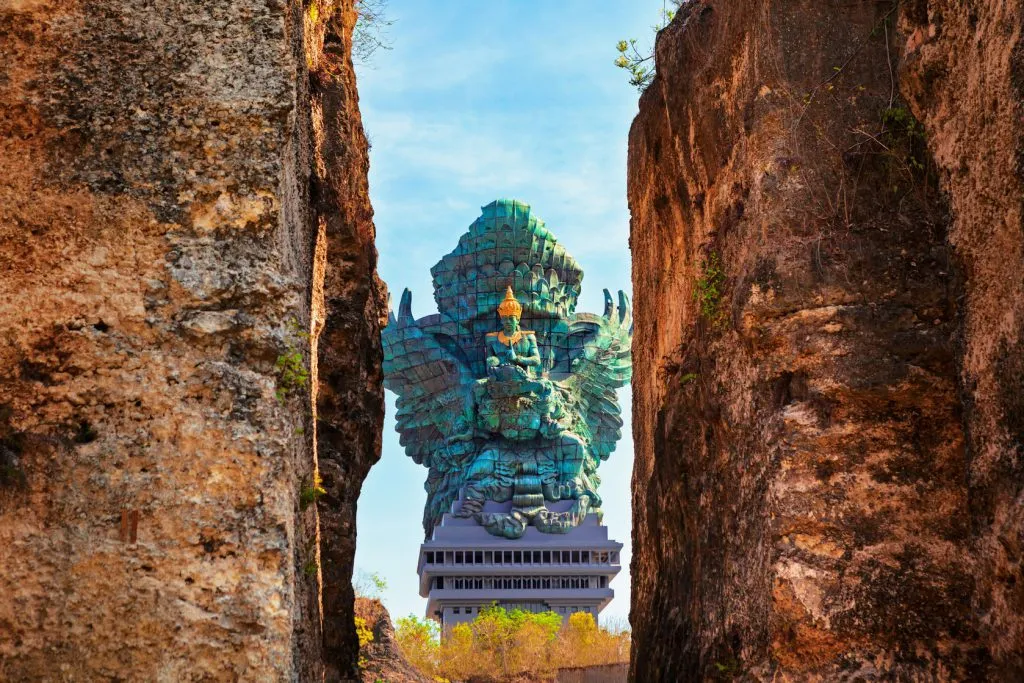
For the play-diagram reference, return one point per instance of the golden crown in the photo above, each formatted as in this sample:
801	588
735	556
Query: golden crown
510	306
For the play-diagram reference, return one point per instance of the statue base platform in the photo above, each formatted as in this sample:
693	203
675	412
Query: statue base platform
463	569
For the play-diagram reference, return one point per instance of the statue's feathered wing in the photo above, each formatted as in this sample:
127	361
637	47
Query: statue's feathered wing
425	368
431	380
600	363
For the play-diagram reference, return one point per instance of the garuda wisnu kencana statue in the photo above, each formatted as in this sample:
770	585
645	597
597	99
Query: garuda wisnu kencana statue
508	395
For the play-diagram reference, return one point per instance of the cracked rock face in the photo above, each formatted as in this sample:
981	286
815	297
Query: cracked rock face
825	277
157	245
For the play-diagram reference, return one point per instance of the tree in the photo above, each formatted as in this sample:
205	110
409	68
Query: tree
503	644
370	33
418	639
457	659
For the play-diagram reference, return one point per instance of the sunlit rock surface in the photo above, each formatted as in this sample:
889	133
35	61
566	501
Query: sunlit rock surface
157	238
827	384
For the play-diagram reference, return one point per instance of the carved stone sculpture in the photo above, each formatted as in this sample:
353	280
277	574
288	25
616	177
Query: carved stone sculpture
498	412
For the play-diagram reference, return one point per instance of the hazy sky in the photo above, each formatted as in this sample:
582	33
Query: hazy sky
477	101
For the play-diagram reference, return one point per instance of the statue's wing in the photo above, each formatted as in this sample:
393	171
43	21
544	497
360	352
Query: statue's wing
600	363
431	380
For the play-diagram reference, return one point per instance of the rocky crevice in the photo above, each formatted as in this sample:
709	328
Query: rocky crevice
807	346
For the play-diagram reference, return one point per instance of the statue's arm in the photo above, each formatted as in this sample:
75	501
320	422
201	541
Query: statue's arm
492	357
532	356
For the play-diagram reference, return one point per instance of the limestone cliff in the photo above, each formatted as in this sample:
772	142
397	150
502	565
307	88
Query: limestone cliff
179	193
827	352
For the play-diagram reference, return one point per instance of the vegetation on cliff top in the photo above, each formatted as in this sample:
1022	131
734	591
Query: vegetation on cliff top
640	65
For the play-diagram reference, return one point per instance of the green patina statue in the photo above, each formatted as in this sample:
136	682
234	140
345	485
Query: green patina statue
509	414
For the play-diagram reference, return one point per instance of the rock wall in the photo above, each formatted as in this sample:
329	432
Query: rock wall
963	74
350	308
166	181
827	287
381	658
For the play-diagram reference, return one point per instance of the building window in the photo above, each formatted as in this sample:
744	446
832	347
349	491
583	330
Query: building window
547	557
488	557
456	610
508	557
586	557
478	557
517	556
458	557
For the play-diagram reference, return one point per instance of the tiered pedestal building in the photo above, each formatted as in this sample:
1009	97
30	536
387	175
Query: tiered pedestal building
463	569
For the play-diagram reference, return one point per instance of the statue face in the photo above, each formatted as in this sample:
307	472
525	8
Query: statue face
509	325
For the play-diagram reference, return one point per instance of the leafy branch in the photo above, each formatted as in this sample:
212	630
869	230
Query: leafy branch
640	65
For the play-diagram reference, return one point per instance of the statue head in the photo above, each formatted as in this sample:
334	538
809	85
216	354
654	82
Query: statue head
510	311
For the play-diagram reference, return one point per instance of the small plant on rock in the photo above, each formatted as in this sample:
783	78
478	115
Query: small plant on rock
709	289
311	494
365	635
290	366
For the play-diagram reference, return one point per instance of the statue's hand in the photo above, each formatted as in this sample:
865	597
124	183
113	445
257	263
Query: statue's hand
493	362
512	357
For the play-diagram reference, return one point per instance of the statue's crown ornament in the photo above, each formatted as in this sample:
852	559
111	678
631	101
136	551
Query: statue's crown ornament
510	306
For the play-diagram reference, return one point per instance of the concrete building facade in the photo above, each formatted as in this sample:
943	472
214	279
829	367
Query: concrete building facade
464	569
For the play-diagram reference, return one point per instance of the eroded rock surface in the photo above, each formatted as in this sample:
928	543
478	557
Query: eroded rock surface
162	169
963	75
827	343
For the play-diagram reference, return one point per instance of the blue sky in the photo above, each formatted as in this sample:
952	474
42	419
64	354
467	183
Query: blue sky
477	101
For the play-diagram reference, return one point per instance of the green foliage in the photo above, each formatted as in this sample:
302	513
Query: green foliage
291	373
905	138
365	635
419	640
898	121
290	366
709	290
369	584
688	377
640	65
311	494
504	644
632	60
726	671
309	569
363	632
